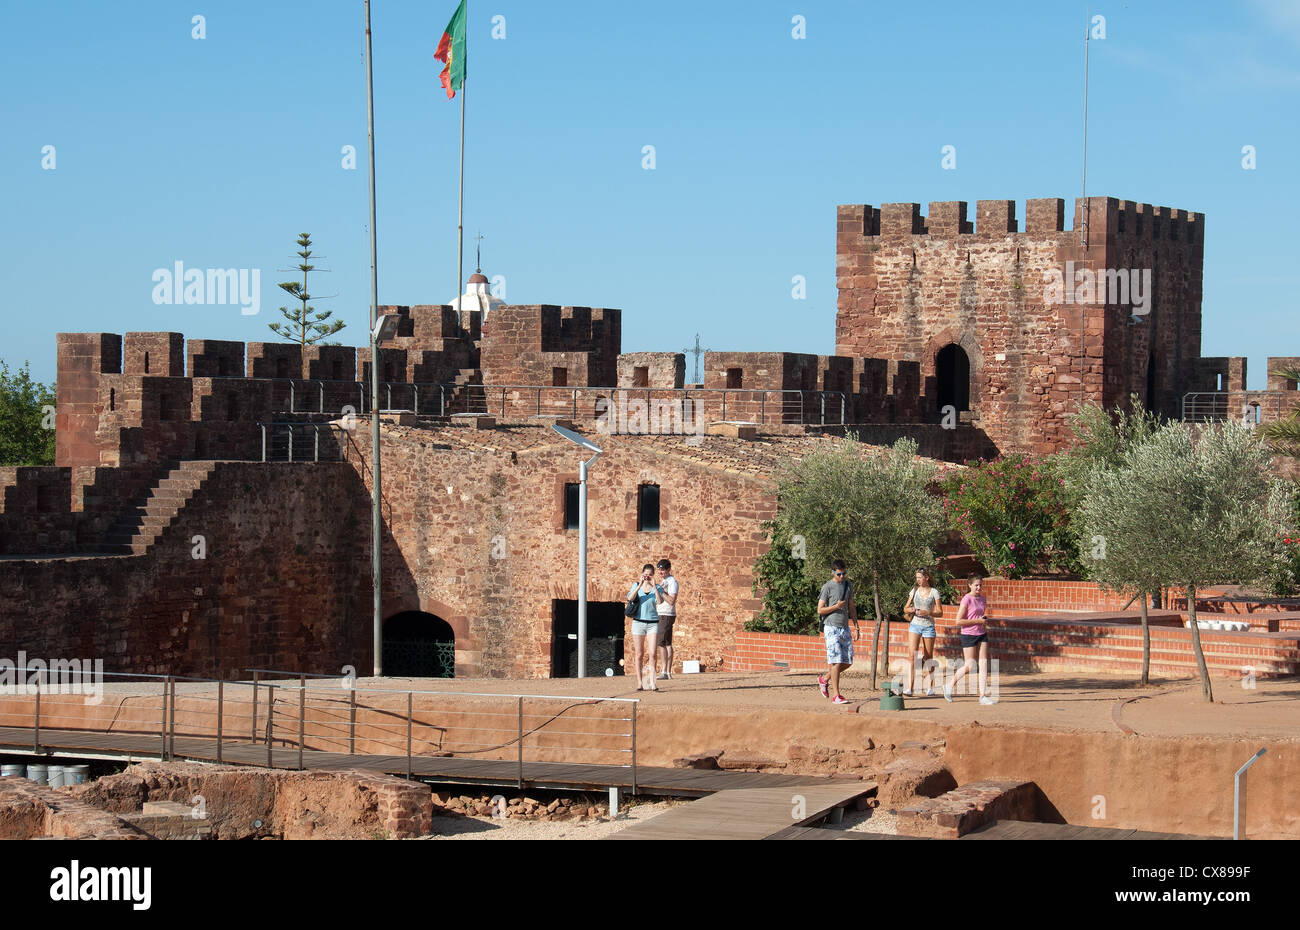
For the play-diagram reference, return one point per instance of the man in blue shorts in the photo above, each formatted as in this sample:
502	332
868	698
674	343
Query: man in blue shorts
836	608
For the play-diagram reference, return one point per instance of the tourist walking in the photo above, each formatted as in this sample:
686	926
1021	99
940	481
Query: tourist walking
922	607
667	616
972	615
646	596
836	608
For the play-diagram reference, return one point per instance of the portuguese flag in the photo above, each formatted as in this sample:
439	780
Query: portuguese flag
451	52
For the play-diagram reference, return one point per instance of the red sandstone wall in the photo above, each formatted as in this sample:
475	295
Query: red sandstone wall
450	505
522	345
280	585
909	285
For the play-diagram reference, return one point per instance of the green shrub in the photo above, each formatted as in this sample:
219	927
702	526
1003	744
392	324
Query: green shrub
789	598
1013	514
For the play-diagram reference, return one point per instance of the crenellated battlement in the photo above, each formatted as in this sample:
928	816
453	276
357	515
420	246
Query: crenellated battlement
1103	216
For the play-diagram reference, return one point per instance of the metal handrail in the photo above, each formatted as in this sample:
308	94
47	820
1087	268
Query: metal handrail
444	735
1217	406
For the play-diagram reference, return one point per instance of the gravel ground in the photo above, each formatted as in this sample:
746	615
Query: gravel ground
491	828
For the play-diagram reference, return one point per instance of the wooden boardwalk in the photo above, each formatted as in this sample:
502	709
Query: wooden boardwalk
139	747
998	830
748	813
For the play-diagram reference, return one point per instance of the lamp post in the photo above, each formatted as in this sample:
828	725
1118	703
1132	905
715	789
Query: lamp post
384	328
375	326
587	444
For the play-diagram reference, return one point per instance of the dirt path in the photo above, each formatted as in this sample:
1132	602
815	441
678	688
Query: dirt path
1169	707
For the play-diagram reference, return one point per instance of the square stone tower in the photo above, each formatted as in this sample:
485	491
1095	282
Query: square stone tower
1017	329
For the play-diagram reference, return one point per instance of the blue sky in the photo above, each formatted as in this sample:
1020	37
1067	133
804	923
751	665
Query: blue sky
218	152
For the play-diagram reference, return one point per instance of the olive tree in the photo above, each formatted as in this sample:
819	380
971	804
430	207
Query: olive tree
1193	509
870	507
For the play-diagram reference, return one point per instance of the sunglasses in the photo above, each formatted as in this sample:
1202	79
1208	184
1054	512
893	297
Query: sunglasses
838	573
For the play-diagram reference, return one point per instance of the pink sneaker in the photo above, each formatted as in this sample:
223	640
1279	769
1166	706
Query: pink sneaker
825	689
840	699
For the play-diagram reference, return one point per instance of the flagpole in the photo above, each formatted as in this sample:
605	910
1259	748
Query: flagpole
460	215
376	527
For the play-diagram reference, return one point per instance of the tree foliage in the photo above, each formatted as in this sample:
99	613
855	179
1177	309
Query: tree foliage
1284	435
26	427
1190	510
1012	512
789	596
304	325
875	512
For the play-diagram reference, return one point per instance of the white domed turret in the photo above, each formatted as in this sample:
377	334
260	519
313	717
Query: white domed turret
477	296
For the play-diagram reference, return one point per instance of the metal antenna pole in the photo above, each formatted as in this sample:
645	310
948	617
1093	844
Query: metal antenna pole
376	529
1087	35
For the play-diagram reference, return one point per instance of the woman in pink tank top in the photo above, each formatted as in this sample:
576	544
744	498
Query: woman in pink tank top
974	639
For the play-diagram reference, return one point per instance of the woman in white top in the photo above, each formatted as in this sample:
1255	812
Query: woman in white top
923	605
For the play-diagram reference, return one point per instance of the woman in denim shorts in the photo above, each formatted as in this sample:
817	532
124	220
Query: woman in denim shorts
922	606
645	626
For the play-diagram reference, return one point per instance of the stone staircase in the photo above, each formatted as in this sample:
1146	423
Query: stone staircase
150	516
462	398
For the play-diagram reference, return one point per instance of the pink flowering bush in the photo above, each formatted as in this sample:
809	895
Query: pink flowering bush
1013	513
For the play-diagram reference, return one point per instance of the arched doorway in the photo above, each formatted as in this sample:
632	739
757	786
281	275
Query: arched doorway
952	374
419	645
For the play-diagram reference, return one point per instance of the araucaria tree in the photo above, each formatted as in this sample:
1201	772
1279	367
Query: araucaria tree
870	507
1191	509
304	325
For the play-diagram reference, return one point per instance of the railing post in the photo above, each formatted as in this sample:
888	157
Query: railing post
408	736
290	428
823	396
316	440
575	403
302	714
221	688
503	403
253	734
539	402
322	396
762	408
263	425
724	405
415	389
390	395
1239	793
843	400
442	401
162	750
270	723
171	740
521	742
36	739
634	747
352	720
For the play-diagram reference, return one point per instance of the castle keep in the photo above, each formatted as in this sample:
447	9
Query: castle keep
969	301
209	509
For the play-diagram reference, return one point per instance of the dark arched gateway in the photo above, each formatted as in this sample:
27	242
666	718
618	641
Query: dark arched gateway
952	374
419	645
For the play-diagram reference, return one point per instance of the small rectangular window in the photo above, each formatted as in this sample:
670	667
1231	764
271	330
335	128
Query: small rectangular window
559	377
641	376
647	510
571	506
735	377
